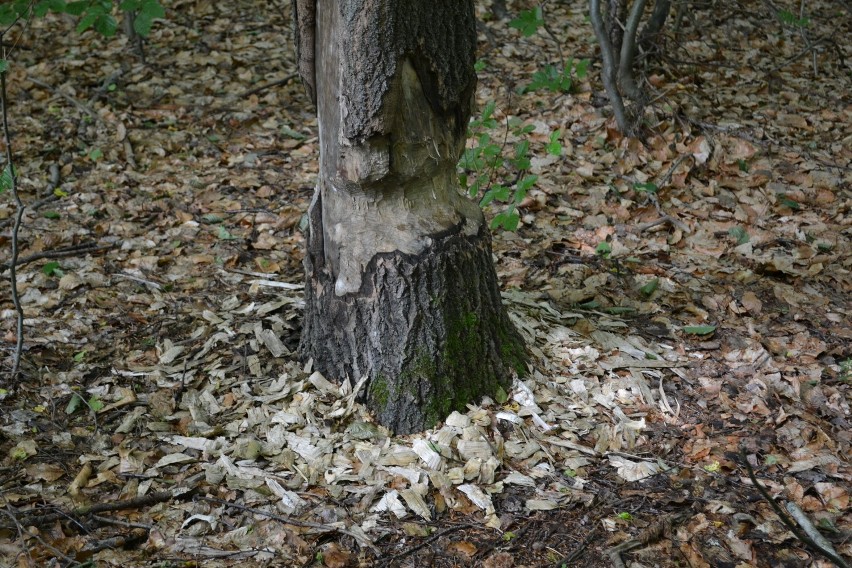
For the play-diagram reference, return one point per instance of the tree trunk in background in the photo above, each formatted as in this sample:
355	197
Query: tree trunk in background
400	286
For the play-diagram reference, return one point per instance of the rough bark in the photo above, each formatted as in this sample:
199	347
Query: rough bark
400	282
305	24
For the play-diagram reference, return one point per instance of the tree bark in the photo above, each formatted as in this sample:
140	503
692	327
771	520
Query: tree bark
400	285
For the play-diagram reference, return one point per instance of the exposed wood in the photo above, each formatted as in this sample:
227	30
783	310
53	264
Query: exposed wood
400	285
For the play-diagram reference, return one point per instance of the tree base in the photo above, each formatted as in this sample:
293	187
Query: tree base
429	330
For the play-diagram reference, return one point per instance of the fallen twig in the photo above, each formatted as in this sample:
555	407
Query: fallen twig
136	535
426	542
649	536
34	518
80	106
21	532
788	522
262	88
63	252
49	197
153	285
294	522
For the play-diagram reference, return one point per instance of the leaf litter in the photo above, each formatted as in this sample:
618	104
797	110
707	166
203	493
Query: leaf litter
194	419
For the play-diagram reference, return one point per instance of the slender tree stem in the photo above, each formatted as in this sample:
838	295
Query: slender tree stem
628	51
609	66
19	214
655	22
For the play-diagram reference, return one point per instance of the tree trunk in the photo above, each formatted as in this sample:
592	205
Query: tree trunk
400	282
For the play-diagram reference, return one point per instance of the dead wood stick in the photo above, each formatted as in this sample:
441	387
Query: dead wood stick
116	522
21	532
80	106
33	518
262	88
426	542
294	522
788	522
63	252
120	541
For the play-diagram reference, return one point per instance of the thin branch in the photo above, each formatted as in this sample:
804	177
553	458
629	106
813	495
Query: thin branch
68	98
19	215
628	51
808	541
294	522
655	23
262	88
63	252
49	197
609	67
33	518
21	534
426	542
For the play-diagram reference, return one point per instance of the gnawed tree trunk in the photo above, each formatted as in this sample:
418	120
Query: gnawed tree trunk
400	282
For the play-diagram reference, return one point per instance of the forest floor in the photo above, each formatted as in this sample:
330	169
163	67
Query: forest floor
685	297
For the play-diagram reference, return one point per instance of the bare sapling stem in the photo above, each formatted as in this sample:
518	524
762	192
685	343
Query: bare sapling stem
19	215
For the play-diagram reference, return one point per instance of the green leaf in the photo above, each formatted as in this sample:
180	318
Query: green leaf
523	186
743	165
787	202
528	21
153	8
625	516
649	187
603	249
739	234
52	269
496	192
699	329
294	134
522	149
489	109
78	357
142	23
224	235
474	189
6	179
581	68
554	147
51	215
500	396
787	17
480	65
40	9
618	310
145	12
73	404
770	459
86	22
95	404
96	154
508	219
650	287
76	8
4	65
511	220
551	79
106	25
212	218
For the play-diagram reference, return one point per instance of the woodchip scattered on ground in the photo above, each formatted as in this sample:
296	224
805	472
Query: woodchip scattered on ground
164	420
